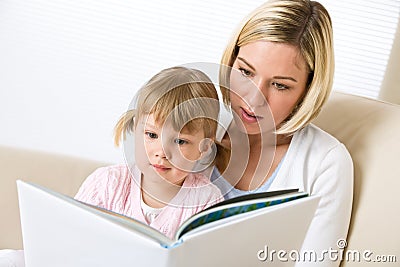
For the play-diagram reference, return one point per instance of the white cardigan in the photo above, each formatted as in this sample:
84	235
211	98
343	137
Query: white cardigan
319	164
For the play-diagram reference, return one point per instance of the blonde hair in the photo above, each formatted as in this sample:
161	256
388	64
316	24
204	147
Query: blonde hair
304	24
187	97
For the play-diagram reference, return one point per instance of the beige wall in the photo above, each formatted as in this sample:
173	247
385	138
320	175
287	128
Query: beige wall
390	89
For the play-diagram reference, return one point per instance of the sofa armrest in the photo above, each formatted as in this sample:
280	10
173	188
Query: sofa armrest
63	174
370	129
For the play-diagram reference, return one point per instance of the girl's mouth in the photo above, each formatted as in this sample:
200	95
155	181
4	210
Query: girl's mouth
160	168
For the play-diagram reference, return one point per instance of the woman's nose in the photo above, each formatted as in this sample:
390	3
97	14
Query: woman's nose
255	96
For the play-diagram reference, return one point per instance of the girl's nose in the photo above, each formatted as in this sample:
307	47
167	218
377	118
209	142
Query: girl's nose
160	154
162	151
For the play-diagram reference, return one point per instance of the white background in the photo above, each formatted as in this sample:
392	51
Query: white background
69	68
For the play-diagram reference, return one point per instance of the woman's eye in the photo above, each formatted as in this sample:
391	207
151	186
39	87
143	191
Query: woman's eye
245	72
151	135
180	141
280	86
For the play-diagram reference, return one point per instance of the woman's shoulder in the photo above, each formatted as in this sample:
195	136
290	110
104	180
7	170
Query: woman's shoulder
314	155
316	134
315	137
315	142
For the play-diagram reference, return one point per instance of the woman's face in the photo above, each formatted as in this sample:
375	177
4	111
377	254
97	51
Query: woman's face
266	72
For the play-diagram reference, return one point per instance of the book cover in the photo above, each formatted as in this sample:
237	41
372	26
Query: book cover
58	227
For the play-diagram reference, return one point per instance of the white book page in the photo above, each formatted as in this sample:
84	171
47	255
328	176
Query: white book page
237	241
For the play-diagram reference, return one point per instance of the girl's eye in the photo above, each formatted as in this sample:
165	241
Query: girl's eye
151	135
180	141
245	72
280	86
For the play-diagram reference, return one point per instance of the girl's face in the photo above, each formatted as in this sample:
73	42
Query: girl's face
164	151
266	73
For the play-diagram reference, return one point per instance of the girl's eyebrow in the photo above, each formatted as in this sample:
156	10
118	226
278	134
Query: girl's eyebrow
149	125
275	77
187	135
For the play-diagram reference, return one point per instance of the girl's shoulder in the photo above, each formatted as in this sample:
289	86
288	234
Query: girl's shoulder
196	180
98	185
109	176
200	184
112	172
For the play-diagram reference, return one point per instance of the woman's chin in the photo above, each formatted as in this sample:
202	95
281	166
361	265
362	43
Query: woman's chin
247	128
253	128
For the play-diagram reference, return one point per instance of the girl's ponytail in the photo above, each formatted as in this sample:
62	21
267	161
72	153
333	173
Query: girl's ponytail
125	124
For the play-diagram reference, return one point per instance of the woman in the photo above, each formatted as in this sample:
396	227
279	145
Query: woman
285	49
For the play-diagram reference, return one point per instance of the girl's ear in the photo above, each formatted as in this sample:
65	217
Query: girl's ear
208	151
205	145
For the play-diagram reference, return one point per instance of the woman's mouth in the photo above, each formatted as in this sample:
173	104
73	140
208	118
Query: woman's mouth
249	117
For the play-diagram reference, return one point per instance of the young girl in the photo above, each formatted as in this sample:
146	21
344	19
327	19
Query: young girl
174	126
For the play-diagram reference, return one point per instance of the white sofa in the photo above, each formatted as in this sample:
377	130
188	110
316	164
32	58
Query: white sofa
370	130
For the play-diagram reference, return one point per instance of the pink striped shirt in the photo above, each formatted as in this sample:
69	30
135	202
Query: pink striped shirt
117	189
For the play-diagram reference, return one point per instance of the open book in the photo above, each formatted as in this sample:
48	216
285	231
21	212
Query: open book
56	226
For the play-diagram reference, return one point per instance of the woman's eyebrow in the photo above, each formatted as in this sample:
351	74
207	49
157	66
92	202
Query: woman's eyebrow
247	63
275	77
285	78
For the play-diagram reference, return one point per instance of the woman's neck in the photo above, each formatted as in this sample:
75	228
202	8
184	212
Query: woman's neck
283	140
260	161
255	141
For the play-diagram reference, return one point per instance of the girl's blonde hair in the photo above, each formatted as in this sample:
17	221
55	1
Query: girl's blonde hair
304	24
184	96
